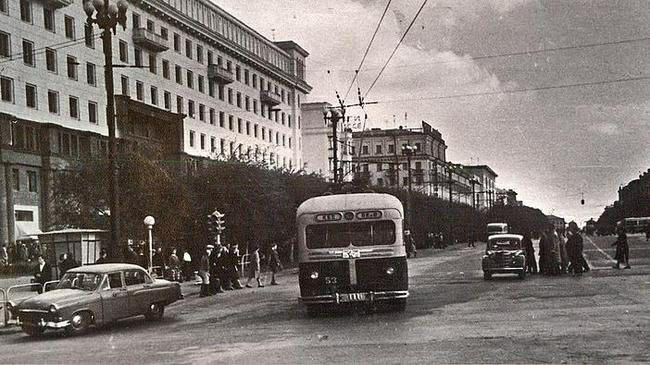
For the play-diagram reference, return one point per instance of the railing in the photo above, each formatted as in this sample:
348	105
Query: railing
269	97
220	74
150	40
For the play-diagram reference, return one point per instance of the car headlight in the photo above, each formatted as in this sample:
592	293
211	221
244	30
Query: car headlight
314	275
52	309
390	270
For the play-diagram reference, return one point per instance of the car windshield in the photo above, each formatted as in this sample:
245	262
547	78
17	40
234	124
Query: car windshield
370	233
504	244
80	280
492	229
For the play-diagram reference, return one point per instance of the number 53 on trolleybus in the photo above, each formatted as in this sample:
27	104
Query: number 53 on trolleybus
352	251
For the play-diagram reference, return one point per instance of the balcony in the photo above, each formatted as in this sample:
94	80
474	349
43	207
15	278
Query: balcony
147	39
56	4
220	75
270	98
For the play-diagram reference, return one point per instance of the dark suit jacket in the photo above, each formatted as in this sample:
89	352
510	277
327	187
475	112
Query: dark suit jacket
44	275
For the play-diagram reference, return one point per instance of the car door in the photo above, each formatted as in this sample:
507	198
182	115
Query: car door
138	289
115	299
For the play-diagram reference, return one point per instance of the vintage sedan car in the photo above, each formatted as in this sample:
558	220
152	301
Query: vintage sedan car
504	255
95	295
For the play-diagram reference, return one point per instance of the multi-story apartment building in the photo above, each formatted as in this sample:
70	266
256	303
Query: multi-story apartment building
382	162
189	77
317	136
484	186
634	198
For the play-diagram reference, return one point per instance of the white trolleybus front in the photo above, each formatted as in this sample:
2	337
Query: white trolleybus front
352	251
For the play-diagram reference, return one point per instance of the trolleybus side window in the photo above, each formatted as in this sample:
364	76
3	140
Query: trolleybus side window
371	233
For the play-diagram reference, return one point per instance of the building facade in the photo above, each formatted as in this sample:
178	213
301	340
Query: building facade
485	185
380	161
188	75
318	143
634	198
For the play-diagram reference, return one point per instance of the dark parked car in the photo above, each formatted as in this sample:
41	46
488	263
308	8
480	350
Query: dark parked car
94	295
504	255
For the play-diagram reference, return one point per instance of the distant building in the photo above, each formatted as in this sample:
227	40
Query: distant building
485	187
634	198
558	222
380	161
318	143
507	197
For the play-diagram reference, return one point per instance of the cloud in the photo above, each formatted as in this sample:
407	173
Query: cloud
609	129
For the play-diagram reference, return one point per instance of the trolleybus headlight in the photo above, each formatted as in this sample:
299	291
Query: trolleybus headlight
390	271
52	309
314	275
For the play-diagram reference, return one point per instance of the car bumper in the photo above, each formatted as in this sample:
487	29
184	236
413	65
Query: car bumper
46	324
360	297
503	270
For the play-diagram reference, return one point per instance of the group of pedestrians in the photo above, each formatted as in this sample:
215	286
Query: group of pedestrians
219	268
557	254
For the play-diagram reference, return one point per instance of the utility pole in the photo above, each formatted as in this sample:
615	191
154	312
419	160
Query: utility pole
333	116
409	151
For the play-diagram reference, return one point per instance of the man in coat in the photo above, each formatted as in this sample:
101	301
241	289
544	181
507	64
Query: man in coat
574	246
529	251
42	272
204	271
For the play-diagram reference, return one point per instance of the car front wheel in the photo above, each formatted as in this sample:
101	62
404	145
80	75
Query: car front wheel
155	312
78	324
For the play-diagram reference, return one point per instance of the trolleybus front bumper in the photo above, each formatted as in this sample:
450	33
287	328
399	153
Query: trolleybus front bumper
360	297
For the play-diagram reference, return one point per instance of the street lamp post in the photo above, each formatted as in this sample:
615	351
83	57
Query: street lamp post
149	221
334	116
409	151
108	15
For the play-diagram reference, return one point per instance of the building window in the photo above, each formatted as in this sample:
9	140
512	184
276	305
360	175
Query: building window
188	48
179	74
74	107
202	141
213	144
190	79
202	112
177	42
165	69
418	147
136	21
248	128
152	63
49	20
191	138
238	99
91	74
255	106
230	96
89	36
92	112
201	83
222	119
72	67
364	150
154	95
3	6
231	122
378	149
380	166
137	52
26	11
190	108
255	81
238	73
167	99
124	80
139	90
247	103
32	178
405	181
211	88
164	33
69	27
31	96
255	130
24	216
7	89
150	26
15	174
220	89
5	44
124	51
199	53
212	116
53	101
28	53
246	76
239	125
391	148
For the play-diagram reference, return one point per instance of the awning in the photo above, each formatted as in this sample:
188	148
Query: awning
27	231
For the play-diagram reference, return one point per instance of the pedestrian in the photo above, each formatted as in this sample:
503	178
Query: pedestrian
130	257
23	253
4	255
274	263
622	251
174	266
216	269
411	250
42	273
66	262
102	257
158	262
564	257
529	252
574	247
204	271
254	266
233	266
187	266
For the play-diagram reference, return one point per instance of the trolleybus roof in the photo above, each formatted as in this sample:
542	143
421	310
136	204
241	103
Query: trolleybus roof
342	202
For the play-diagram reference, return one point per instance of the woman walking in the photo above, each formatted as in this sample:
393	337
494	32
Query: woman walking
254	267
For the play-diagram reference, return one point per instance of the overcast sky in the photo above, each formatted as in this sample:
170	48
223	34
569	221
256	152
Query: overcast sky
549	145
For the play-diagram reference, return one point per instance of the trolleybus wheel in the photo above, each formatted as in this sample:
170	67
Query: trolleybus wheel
487	275
399	305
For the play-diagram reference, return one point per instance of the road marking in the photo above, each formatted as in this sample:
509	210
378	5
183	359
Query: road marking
599	249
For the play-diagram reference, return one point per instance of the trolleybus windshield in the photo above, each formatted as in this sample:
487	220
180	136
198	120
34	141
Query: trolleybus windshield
371	233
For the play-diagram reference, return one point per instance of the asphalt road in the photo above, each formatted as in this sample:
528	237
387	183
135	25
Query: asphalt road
453	316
